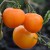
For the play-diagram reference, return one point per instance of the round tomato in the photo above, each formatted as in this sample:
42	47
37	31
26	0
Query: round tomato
23	38
33	22
13	17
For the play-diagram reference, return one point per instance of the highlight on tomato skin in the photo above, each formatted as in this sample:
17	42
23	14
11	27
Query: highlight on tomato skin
33	22
23	38
13	17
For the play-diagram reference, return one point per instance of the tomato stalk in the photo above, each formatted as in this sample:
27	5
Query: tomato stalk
7	1
29	6
45	43
1	33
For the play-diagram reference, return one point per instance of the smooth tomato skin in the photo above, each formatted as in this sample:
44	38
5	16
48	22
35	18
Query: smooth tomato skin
23	38
33	22
13	17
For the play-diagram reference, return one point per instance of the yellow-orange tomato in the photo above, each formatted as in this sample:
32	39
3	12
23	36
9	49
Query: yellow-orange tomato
23	38
13	17
33	22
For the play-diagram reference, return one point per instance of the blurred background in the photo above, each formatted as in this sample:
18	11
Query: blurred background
41	7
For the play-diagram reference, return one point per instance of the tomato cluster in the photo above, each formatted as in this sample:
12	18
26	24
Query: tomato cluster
26	26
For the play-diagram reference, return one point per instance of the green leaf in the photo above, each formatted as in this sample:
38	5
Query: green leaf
47	17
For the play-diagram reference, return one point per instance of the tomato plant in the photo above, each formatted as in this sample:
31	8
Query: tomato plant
29	18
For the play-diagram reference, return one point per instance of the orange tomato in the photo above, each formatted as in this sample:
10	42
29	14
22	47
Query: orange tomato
13	17
23	38
33	22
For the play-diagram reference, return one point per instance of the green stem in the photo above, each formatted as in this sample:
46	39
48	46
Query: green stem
32	8
29	6
6	2
43	40
44	36
2	4
19	6
29	10
1	34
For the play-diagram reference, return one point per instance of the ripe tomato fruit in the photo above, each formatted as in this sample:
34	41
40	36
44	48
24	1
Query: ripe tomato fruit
13	17
23	38
33	22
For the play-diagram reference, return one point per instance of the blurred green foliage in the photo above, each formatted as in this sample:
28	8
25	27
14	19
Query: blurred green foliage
39	1
10	4
41	9
1	1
